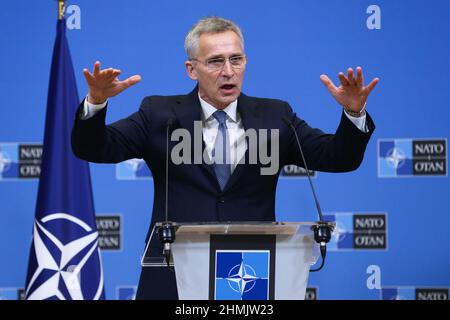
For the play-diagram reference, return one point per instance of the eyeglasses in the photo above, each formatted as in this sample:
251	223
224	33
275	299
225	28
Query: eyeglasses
215	64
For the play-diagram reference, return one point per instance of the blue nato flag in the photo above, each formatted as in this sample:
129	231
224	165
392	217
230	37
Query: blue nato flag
64	261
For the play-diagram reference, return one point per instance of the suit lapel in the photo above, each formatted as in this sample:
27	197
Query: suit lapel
187	110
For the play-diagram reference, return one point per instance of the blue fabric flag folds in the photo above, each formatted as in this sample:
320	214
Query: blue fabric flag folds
64	261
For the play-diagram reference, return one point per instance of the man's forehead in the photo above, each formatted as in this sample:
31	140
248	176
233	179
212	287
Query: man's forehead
217	44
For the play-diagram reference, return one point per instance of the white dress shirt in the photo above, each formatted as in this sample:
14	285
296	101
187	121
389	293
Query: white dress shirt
235	128
210	127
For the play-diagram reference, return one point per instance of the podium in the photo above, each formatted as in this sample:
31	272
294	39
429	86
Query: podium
239	260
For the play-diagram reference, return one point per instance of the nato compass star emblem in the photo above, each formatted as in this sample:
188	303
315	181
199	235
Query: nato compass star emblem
241	274
4	162
396	158
242	278
60	265
339	232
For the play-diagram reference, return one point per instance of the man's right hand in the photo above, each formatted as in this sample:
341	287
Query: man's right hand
104	84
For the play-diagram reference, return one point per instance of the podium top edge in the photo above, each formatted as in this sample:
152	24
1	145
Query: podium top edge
243	227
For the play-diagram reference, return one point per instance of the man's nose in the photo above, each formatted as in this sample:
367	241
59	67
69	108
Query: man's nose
227	69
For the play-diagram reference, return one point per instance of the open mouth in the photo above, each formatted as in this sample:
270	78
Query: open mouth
227	87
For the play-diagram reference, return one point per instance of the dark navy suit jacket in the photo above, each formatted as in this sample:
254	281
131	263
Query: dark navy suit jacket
194	193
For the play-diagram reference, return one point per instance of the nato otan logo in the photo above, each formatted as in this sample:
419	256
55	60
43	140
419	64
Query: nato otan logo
413	293
412	157
293	171
133	169
109	232
20	161
358	231
242	275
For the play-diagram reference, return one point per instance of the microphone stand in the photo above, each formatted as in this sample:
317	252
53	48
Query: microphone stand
322	230
166	232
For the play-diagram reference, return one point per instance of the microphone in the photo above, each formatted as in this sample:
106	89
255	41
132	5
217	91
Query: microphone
322	230
166	232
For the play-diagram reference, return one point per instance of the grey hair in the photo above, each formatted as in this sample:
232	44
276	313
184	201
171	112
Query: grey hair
208	25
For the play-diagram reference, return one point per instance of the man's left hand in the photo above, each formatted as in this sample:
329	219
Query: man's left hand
351	94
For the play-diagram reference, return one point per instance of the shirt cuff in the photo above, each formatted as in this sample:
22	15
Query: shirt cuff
359	122
90	109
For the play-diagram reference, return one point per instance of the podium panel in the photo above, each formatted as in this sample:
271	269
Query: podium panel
240	261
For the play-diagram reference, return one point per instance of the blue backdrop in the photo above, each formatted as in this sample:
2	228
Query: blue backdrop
393	213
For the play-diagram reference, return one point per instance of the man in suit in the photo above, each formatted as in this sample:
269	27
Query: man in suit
228	190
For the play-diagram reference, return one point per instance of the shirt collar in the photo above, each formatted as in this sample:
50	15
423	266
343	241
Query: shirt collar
208	109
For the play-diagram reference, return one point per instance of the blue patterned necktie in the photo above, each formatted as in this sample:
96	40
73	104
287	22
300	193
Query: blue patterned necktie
221	151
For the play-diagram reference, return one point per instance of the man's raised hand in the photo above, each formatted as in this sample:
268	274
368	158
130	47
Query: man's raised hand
351	94
105	83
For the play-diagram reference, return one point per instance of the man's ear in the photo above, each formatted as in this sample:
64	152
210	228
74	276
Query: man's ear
190	70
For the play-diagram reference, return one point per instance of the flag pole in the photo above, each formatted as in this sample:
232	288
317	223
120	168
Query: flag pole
61	7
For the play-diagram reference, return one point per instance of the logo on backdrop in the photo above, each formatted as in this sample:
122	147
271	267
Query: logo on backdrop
412	157
109	232
126	292
242	275
293	171
358	231
59	267
413	293
11	294
133	169
20	161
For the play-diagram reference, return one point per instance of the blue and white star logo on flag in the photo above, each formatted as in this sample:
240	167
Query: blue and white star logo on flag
59	264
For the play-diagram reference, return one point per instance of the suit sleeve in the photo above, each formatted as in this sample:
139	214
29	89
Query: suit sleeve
342	151
94	141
